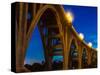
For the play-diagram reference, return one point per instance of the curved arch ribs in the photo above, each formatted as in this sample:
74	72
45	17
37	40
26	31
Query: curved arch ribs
65	30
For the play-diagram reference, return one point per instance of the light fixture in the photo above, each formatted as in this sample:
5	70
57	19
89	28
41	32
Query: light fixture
90	44
69	17
81	36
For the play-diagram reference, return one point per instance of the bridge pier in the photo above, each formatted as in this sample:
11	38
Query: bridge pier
80	55
89	56
21	41
65	53
67	40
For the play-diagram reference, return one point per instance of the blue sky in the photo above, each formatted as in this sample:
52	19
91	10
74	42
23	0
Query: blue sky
85	21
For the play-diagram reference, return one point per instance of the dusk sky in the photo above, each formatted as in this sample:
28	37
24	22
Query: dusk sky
85	21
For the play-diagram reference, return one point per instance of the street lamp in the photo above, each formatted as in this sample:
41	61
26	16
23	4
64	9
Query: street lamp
81	36
69	17
90	44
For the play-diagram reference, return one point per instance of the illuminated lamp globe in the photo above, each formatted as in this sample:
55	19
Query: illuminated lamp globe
69	17
81	36
90	44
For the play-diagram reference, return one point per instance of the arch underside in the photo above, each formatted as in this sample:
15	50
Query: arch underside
73	56
51	37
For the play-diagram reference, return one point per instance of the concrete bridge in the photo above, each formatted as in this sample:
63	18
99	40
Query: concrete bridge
58	35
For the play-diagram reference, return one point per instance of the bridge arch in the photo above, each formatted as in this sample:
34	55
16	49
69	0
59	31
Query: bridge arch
84	58
73	55
93	59
37	19
38	16
66	31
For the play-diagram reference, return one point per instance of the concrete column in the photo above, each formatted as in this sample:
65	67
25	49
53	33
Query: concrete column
20	49
66	47
34	10
19	46
80	55
89	56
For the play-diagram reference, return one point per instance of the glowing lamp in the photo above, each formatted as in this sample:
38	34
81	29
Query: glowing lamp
81	36
69	17
90	44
